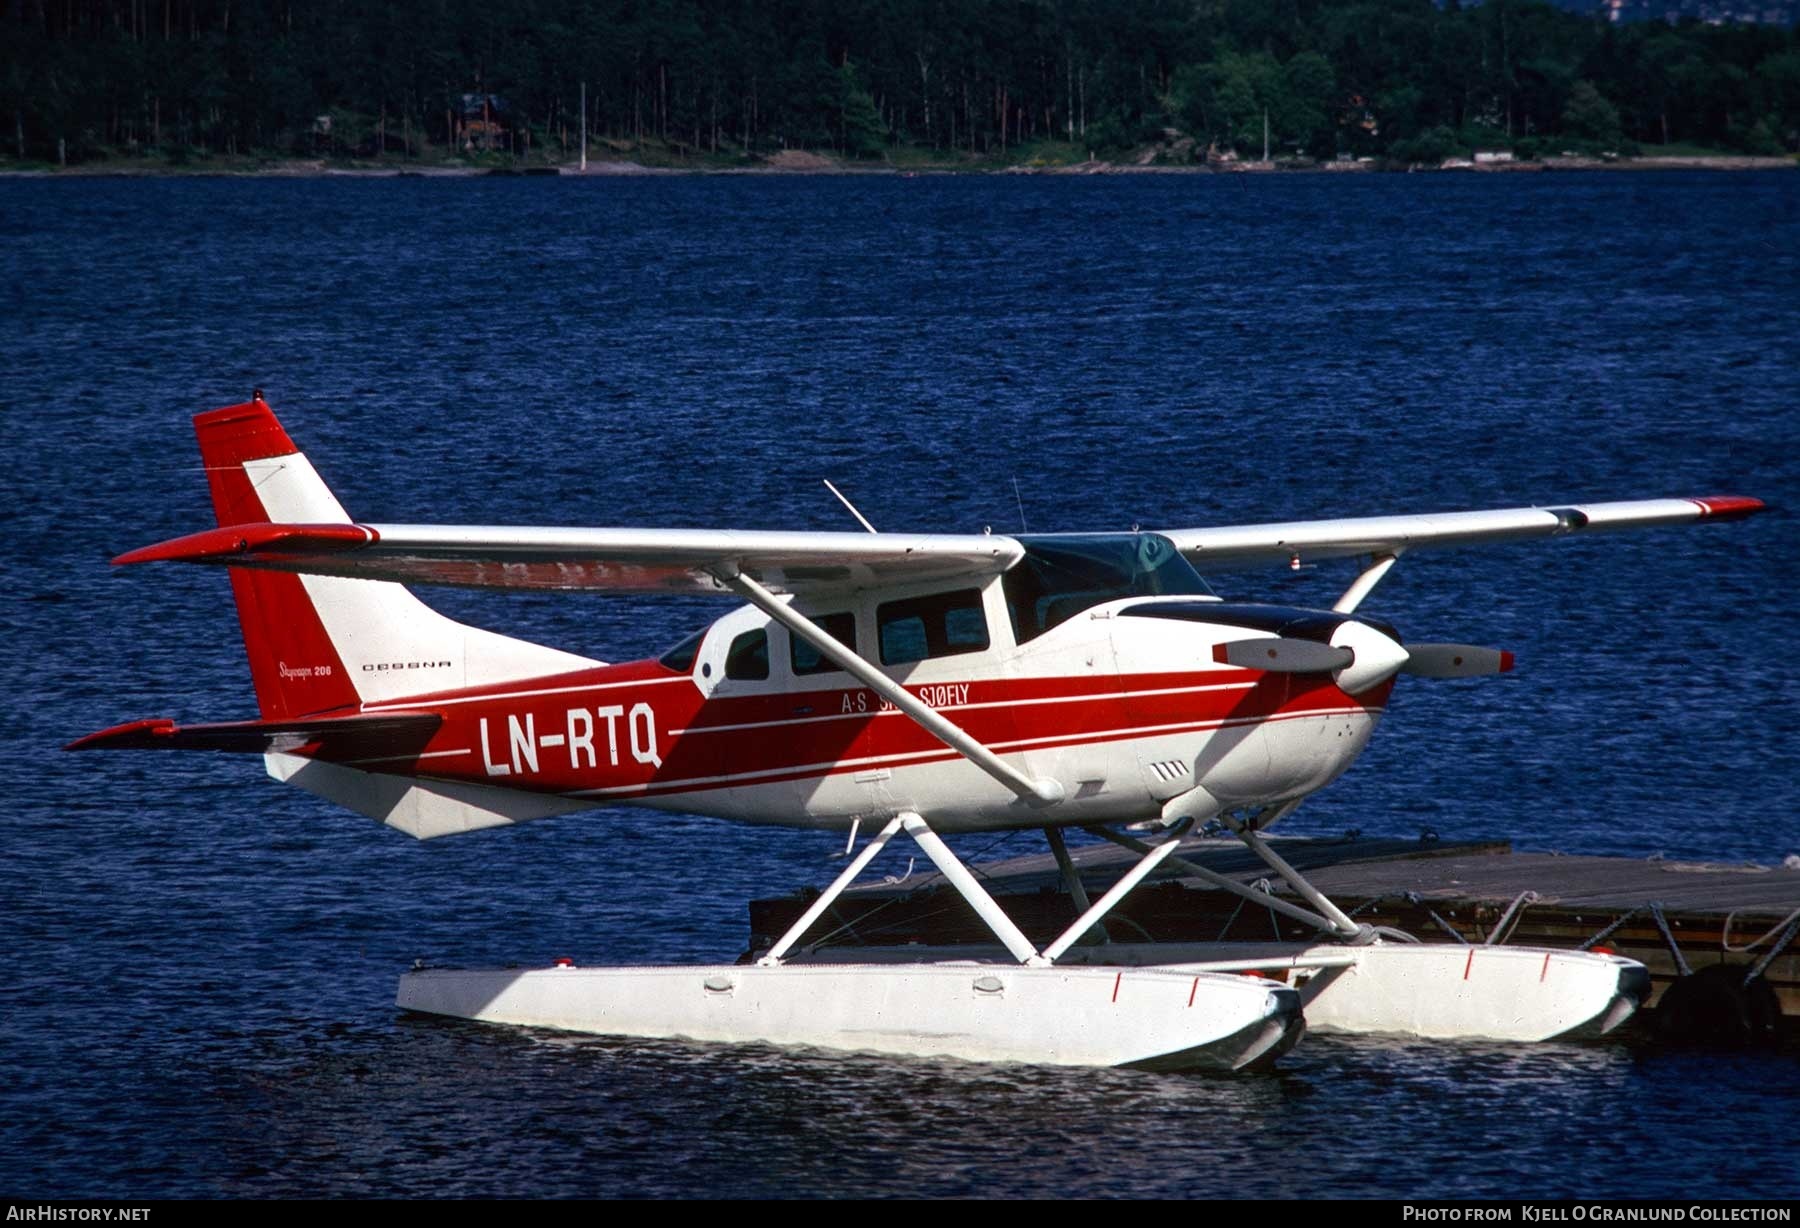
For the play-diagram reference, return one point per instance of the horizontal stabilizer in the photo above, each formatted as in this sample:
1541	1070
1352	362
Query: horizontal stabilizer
356	735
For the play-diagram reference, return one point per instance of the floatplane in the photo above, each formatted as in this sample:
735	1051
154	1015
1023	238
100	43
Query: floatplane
893	687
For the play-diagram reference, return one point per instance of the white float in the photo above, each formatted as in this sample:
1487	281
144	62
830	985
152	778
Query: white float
1149	1018
1442	992
1415	990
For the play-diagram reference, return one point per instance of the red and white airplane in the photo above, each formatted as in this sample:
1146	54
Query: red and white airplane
922	684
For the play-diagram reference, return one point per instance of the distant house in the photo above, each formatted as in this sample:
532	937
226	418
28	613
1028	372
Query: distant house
483	120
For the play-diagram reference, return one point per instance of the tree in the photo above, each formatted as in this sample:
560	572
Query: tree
1244	91
1307	118
1777	90
1590	116
864	134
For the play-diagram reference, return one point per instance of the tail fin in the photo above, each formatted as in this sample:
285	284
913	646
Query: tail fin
321	643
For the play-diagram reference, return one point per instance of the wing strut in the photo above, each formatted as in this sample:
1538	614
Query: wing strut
1365	583
1038	792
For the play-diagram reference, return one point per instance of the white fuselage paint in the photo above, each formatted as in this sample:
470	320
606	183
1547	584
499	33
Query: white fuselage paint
1116	773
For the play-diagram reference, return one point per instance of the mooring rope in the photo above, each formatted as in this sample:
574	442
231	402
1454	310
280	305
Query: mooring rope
1787	936
1725	938
1268	888
1520	902
1383	931
1662	923
1608	932
1232	919
1413	897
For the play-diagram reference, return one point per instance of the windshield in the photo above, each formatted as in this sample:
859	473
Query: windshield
1059	577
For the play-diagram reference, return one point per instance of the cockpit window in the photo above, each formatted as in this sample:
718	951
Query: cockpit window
681	657
748	658
1059	577
809	660
941	625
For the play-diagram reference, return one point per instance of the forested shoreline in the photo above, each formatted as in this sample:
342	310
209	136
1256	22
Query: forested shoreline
900	81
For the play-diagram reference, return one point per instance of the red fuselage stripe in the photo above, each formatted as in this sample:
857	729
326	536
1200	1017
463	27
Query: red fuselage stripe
601	735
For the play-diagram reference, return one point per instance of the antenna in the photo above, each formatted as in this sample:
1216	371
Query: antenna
1017	498
860	518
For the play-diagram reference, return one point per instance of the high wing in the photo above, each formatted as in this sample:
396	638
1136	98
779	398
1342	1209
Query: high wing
614	560
1244	547
699	560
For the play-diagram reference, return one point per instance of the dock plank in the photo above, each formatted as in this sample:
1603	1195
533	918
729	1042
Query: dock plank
1440	891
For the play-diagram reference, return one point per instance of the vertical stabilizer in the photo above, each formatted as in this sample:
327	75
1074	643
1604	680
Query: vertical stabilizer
322	643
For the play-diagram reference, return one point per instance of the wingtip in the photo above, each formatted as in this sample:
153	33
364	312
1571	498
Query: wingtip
221	545
136	733
1730	507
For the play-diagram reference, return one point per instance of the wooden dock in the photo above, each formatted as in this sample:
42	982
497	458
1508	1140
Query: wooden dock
1679	918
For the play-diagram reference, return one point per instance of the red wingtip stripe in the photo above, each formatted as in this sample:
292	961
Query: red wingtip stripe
1729	507
158	725
1506	662
267	540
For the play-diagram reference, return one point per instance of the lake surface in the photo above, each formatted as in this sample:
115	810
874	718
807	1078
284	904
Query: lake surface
199	964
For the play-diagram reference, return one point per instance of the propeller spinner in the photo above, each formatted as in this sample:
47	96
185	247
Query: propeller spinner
1360	656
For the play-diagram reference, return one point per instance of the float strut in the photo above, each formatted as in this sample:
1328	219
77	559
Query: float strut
1340	921
1195	870
964	882
1132	878
827	897
1071	879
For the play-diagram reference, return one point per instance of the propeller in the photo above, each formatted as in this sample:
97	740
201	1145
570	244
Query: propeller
1280	655
1455	661
1361	656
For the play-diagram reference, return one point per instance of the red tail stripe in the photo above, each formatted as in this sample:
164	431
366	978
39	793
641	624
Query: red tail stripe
293	664
240	433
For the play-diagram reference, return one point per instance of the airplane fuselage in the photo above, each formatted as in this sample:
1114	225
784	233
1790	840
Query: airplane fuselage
1122	704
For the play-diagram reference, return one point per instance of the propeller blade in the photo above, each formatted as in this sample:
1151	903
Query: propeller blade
1280	655
1455	661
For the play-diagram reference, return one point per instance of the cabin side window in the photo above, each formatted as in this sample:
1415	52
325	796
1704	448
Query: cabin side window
809	660
681	657
940	625
748	659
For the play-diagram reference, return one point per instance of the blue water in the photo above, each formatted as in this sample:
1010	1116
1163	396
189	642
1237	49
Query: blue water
199	965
